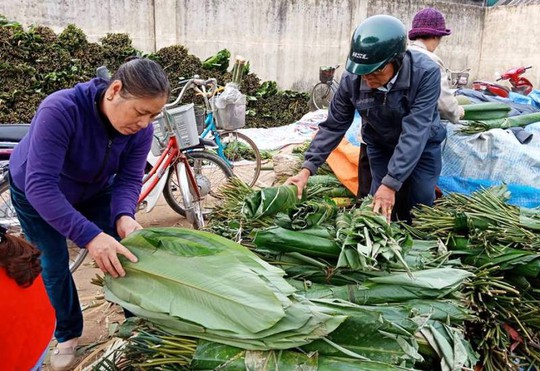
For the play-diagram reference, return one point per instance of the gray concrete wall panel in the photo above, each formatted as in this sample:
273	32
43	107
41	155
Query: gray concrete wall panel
287	40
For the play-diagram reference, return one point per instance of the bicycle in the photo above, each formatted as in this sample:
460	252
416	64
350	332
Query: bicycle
185	172
458	79
323	92
236	149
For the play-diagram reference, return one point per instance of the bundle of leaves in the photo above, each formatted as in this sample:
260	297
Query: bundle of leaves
36	62
499	242
248	304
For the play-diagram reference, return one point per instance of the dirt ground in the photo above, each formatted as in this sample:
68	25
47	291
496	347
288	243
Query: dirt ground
100	317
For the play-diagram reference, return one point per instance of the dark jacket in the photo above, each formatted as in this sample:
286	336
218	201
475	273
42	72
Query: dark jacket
70	154
403	119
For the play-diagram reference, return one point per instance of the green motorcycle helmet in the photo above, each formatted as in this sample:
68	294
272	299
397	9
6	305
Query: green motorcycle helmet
375	42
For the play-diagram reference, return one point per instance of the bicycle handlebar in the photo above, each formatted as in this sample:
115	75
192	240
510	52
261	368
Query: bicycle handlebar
199	85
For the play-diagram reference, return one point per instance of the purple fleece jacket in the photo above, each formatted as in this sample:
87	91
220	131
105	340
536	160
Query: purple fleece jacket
69	155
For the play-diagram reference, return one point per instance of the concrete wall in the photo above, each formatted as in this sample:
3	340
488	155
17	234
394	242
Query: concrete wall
284	40
287	40
511	39
95	18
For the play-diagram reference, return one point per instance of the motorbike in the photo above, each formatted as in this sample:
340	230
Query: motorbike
520	84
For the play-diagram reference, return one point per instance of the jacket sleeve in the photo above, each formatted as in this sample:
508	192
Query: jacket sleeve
416	130
128	181
46	155
331	131
448	106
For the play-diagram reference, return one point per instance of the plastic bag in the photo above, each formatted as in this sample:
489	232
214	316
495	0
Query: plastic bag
230	95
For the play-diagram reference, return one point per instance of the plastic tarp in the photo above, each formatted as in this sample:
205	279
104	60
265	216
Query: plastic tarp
469	161
492	158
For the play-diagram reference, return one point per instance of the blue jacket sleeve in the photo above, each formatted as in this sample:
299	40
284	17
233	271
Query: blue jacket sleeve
47	151
128	181
331	131
416	130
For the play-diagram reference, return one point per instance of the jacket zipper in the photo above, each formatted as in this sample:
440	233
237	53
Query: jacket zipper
106	157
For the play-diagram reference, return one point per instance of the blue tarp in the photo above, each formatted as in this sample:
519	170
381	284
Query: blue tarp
487	159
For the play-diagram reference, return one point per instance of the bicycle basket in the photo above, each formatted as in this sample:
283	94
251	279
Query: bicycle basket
184	125
232	117
459	78
326	74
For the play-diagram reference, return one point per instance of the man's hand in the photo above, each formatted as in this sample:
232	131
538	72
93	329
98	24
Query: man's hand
125	225
104	249
300	180
383	201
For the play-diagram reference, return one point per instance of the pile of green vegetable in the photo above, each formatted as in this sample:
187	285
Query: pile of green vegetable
482	117
36	62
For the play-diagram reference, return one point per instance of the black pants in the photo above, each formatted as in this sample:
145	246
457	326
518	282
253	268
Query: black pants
364	173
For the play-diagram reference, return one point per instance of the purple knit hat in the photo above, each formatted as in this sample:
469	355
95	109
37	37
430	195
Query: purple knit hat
428	22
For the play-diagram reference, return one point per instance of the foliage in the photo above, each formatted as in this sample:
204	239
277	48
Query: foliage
36	62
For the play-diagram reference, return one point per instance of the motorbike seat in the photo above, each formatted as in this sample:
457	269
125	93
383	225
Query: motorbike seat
13	133
489	83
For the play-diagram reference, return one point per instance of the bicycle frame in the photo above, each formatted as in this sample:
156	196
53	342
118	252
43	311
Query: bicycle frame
210	127
154	182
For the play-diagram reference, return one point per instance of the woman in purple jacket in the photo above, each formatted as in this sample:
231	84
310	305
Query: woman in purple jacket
77	174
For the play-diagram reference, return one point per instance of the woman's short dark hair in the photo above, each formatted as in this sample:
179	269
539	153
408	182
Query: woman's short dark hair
20	260
142	78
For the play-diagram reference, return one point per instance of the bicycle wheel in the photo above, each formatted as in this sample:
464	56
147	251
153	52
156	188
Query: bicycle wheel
192	208
210	172
321	95
242	154
76	256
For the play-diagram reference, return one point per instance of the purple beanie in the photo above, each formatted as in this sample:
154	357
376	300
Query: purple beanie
428	22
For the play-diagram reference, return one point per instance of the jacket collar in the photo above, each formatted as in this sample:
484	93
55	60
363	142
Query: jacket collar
403	80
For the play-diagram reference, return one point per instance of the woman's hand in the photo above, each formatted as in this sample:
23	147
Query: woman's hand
383	201
104	249
299	180
125	225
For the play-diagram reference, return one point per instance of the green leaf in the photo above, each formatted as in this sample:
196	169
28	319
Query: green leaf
270	201
230	296
315	242
172	276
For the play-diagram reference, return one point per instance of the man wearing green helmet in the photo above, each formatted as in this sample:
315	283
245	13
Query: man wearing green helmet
395	91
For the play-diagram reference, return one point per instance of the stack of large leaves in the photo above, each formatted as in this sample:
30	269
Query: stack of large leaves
148	347
312	213
434	283
198	284
315	242
485	111
367	240
482	117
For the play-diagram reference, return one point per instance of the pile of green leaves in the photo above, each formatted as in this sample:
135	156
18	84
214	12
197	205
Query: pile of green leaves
501	243
197	284
36	62
366	238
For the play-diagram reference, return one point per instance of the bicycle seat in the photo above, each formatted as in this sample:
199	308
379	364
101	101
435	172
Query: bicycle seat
207	143
13	133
